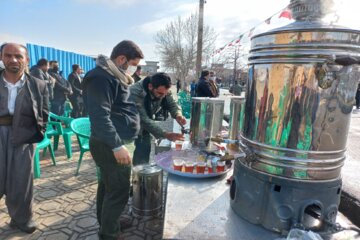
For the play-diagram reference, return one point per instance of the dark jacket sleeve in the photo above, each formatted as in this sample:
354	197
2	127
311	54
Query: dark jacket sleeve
99	98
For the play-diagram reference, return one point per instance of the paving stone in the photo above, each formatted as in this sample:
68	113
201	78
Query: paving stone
48	194
57	236
87	222
50	205
53	220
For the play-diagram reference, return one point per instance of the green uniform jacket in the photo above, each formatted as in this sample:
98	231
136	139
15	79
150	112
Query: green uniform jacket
137	95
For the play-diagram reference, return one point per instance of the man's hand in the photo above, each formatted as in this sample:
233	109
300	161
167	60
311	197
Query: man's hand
123	156
174	136
181	120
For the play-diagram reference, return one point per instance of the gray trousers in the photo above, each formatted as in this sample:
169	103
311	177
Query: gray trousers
16	176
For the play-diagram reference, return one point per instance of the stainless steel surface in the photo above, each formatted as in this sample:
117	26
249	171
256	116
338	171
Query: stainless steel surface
310	10
302	84
200	209
147	190
237	105
206	119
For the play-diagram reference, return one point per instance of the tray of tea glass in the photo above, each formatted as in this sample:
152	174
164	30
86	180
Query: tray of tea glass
189	163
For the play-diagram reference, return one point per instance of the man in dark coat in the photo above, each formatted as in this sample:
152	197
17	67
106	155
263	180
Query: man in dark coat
76	98
115	123
23	117
62	89
204	87
40	71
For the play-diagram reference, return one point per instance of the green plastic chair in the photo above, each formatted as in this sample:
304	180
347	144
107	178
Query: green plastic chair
61	128
81	127
44	144
68	109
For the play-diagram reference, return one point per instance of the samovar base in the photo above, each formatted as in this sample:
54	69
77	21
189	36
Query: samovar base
279	204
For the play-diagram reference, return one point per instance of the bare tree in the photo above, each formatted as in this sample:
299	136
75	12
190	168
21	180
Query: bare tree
176	44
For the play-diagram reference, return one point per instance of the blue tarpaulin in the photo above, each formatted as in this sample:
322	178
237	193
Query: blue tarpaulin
65	59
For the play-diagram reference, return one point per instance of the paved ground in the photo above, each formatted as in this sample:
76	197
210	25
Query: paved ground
64	205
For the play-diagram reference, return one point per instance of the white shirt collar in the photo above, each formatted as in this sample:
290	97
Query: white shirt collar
17	84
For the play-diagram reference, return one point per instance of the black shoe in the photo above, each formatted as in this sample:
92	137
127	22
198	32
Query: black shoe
28	227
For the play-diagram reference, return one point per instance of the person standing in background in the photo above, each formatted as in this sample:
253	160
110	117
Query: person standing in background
62	89
204	87
76	98
40	71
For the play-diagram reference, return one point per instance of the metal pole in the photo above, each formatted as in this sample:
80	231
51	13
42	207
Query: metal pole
235	63
200	37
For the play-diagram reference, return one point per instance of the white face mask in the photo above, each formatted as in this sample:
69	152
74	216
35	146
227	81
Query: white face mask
131	70
212	78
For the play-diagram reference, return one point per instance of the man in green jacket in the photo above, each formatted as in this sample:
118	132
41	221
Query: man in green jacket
151	96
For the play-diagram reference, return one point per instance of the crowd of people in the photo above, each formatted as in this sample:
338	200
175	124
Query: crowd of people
122	109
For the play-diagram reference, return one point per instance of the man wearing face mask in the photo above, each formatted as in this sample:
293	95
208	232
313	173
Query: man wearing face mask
152	95
205	86
115	123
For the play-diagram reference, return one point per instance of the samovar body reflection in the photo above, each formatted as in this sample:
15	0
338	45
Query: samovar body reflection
301	90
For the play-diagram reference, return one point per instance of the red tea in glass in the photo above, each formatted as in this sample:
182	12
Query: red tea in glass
189	167
178	164
220	167
178	145
200	167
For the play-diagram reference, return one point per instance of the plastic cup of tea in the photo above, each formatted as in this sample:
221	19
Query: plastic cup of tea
189	167
178	145
200	167
178	164
220	167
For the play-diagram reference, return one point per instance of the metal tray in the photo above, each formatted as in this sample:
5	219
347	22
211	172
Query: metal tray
165	161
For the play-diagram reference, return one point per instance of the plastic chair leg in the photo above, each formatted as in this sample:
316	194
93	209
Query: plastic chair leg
67	142
37	172
51	154
44	152
79	162
56	142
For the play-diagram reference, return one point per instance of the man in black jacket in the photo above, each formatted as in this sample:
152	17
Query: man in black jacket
204	88
40	71
115	124
76	98
23	117
62	89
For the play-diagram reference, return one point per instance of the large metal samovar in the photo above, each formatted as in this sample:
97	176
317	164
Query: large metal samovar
301	89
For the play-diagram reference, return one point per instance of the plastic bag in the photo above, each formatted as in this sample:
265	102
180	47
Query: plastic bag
297	234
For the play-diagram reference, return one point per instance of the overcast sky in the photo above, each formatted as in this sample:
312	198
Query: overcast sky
95	26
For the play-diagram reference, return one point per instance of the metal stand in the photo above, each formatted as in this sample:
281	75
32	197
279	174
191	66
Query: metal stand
278	204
